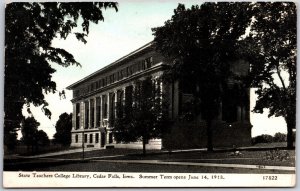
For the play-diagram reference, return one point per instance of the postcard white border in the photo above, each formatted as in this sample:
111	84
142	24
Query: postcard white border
115	179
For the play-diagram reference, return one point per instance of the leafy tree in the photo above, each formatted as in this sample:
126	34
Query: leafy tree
63	129
202	42
271	51
146	118
29	132
29	30
42	138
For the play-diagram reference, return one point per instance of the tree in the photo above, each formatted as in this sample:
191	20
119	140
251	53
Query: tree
271	51
202	42
42	138
145	118
63	129
29	30
29	132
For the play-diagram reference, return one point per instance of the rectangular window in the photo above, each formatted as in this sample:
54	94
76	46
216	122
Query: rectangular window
97	138
91	138
148	62
86	105
85	138
110	138
143	64
134	68
104	106
98	111
130	70
127	72
112	107
76	93
76	138
118	76
121	74
92	113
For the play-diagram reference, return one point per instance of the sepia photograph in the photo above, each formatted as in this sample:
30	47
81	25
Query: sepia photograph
149	94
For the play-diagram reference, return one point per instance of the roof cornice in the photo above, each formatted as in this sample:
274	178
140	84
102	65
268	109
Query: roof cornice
110	66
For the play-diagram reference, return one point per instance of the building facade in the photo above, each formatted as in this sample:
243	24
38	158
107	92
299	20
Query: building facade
96	96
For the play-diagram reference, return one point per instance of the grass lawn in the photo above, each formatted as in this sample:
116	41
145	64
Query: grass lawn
90	166
263	157
71	162
270	158
23	150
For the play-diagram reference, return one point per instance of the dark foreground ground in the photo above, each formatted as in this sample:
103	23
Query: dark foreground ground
109	161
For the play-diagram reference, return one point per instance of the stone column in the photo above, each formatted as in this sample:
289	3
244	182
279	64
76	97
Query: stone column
108	107
80	115
74	117
115	103
100	112
95	112
124	95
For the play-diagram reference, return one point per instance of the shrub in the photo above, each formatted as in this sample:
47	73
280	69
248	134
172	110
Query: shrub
280	137
277	155
262	139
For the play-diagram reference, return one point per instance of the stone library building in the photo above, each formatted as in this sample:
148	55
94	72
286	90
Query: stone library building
95	98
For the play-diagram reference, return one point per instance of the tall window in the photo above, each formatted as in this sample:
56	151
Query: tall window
112	108
115	77
110	138
127	72
120	97
76	138
97	138
122	74
92	113
98	111
85	138
91	138
86	105
148	62
77	116
104	106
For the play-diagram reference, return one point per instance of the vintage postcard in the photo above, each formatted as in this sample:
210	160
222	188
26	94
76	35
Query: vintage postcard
150	94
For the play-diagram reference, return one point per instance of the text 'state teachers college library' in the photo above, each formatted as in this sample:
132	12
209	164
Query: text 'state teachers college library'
95	98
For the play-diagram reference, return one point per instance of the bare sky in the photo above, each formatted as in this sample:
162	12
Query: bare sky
121	33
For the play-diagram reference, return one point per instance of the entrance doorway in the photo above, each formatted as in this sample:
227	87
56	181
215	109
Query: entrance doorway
102	139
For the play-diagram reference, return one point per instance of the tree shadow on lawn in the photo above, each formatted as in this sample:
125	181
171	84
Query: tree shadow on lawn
33	164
